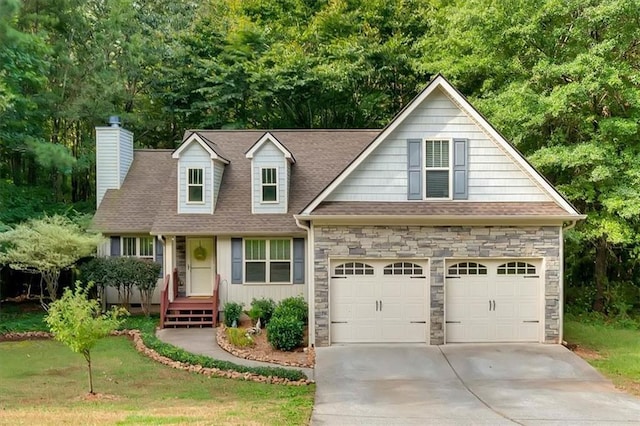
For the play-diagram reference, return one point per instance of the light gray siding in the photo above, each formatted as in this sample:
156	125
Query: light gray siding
194	156
493	175
114	155
218	171
269	156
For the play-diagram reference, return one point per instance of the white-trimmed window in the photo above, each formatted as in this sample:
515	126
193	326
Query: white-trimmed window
269	184
142	247
195	185
267	261
437	169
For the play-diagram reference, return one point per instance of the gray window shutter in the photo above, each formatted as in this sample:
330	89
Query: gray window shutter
298	260
236	261
460	170
414	169
160	255
115	246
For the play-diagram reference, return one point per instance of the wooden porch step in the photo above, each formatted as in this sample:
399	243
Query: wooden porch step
187	324
190	315
190	306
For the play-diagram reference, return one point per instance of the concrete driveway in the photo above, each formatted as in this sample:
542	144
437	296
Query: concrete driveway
528	384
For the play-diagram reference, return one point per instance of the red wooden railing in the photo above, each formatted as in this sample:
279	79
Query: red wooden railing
216	300
164	299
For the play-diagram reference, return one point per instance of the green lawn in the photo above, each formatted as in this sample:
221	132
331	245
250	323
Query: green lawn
618	350
43	382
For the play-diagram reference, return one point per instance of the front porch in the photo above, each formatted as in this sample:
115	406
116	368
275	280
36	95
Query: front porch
187	312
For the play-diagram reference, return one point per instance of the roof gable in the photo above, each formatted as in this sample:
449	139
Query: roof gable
268	137
207	145
440	83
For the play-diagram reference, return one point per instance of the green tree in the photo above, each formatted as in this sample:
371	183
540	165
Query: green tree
75	320
560	80
46	246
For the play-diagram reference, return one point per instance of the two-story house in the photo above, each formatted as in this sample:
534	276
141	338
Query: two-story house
434	229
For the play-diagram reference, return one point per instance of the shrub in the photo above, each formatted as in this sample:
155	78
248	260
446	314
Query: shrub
262	309
293	306
285	332
232	312
239	337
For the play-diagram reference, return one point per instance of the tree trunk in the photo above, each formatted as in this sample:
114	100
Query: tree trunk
602	252
87	356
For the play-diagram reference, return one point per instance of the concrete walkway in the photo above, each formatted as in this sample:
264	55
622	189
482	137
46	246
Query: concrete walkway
202	341
525	384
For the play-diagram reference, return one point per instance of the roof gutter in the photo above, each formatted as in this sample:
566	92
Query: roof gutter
441	219
310	279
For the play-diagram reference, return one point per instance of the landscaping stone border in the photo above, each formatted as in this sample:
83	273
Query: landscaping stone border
246	354
135	336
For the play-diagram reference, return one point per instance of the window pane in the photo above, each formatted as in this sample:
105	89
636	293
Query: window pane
195	176
255	272
146	246
437	154
437	184
129	246
269	175
255	250
280	250
269	193
195	193
280	272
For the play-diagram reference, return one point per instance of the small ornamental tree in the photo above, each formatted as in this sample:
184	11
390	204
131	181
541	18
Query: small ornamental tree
46	246
145	275
75	320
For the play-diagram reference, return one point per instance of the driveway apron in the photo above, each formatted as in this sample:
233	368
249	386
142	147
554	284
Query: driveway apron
528	384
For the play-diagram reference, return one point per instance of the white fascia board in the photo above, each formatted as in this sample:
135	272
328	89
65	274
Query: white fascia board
440	82
268	137
195	137
446	220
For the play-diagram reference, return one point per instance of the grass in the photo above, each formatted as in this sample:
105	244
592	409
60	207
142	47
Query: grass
617	349
239	338
43	382
14	319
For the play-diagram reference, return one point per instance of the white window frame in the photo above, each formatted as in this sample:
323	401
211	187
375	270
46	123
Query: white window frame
267	261
189	185
273	184
448	169
137	246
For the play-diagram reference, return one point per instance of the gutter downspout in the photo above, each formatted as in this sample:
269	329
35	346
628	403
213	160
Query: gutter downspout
310	281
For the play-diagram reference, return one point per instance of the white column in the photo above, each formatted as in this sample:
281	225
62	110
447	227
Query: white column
169	251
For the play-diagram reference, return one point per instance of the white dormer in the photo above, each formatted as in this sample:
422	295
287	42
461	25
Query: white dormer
200	169
270	171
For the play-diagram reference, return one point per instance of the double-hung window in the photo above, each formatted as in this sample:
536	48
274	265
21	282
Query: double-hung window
269	185
141	247
267	261
437	169
195	185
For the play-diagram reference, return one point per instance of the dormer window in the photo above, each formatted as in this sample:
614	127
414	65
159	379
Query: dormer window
438	168
195	186
270	185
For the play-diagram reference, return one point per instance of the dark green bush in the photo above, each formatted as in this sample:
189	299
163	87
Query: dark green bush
285	332
263	309
293	306
232	311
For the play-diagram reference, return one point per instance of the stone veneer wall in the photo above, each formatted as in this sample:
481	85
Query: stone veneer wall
437	244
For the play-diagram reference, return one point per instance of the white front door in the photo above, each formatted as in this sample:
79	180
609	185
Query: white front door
200	266
493	301
378	301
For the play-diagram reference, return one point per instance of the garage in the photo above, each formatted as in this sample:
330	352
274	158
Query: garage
493	301
374	301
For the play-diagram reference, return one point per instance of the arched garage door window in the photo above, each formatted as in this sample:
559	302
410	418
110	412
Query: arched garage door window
516	268
353	268
403	268
467	268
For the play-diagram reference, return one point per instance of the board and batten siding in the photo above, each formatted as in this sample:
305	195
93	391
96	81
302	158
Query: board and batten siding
114	155
269	156
245	293
492	175
195	157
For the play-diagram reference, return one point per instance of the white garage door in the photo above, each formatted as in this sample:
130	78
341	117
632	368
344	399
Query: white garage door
493	301
378	301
